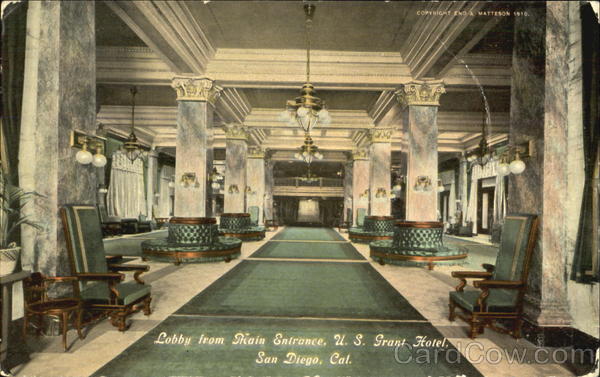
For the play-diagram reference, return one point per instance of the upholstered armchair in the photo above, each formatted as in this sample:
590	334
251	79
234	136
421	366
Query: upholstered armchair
100	285
500	289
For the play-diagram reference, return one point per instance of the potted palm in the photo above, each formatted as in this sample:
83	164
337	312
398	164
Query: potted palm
12	201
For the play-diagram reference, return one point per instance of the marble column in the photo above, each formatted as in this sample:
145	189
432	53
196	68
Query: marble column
539	104
235	170
348	174
269	183
380	169
152	179
196	97
463	188
360	181
59	95
421	101
255	180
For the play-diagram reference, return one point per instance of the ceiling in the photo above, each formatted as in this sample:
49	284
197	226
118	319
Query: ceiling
362	52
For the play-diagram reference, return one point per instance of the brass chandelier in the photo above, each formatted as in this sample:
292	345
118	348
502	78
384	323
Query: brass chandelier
307	110
132	147
308	152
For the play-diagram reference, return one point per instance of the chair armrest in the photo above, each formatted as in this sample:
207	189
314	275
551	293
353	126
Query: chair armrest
464	275
488	267
505	284
471	274
114	258
137	268
129	267
106	276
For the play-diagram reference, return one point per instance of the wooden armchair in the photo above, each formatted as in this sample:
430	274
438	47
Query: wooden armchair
100	285
38	304
502	286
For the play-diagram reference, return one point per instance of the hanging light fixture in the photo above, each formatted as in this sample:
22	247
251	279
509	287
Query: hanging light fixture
308	152
216	179
307	110
309	176
131	147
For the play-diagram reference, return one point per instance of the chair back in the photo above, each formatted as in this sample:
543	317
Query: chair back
83	235
516	247
253	211
360	216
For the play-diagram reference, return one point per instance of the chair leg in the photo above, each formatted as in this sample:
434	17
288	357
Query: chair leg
78	324
474	330
117	319
517	326
147	309
25	324
451	312
65	325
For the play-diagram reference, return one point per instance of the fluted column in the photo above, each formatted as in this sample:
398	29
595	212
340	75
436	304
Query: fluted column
421	101
235	168
196	98
380	152
255	180
360	181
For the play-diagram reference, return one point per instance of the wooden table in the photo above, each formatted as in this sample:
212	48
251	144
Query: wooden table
7	282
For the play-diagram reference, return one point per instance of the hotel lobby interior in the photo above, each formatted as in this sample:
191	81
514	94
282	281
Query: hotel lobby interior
299	188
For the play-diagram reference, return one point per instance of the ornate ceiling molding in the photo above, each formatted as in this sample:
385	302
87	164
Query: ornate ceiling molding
196	89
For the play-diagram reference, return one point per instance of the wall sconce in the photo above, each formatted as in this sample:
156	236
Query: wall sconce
188	179
215	185
84	141
364	195
381	193
440	187
516	166
233	189
102	190
249	191
423	184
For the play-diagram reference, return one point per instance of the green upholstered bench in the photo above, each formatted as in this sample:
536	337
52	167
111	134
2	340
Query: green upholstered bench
373	228
192	240
416	244
239	225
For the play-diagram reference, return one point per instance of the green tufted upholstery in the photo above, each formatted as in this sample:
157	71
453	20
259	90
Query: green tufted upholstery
511	269
234	222
83	233
254	214
376	225
428	239
360	216
203	234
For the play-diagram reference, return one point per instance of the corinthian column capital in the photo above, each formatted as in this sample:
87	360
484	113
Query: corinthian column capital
236	132
200	89
421	93
381	135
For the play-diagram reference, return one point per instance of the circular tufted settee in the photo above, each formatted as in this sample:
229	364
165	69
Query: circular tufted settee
192	240
416	243
239	225
374	228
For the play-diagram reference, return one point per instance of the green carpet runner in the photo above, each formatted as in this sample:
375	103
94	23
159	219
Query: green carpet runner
292	318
